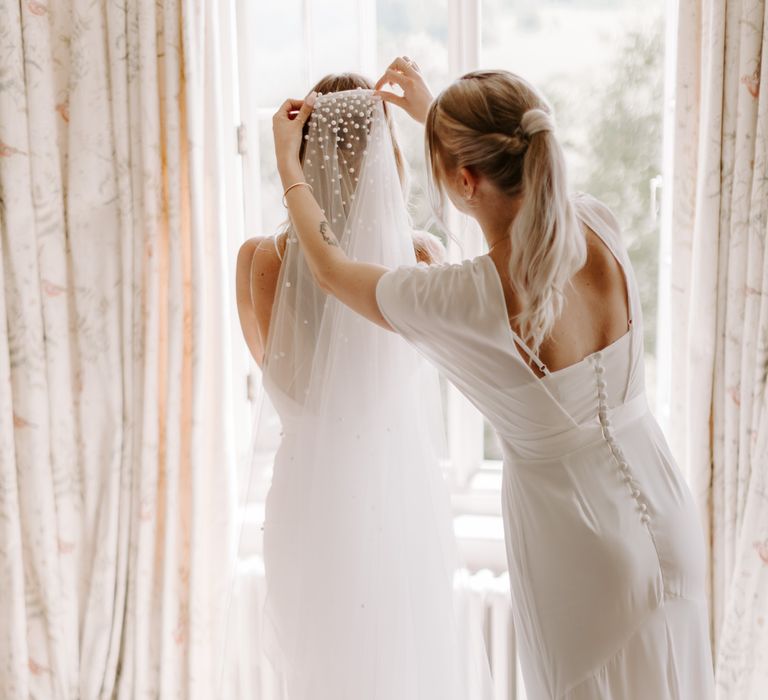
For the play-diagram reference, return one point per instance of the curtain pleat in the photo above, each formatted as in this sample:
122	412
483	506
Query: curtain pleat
116	454
720	320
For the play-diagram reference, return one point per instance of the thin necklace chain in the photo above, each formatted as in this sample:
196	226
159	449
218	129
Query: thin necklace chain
501	240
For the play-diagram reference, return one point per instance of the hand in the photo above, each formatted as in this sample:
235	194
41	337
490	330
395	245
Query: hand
416	96
287	126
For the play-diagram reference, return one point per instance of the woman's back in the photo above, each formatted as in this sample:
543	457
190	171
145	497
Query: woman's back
596	302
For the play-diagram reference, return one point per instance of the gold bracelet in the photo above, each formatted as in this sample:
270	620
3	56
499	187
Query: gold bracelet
296	184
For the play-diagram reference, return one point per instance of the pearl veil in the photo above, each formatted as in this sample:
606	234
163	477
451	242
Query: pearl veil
358	542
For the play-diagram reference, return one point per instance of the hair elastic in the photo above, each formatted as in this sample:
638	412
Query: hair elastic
536	120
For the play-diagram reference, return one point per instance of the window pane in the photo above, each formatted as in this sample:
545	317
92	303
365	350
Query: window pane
335	38
418	30
276	51
273	214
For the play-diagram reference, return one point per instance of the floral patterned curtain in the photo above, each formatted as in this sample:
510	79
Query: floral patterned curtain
719	291
115	446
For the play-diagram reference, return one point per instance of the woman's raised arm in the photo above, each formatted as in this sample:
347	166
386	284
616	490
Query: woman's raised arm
353	283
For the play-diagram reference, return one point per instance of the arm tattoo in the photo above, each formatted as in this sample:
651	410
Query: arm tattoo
327	235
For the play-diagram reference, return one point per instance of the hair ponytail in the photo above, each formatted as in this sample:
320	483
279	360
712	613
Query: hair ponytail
497	124
546	244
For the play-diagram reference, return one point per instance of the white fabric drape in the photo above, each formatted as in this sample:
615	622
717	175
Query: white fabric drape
719	294
115	454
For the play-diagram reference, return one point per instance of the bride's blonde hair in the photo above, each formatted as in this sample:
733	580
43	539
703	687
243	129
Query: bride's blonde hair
498	126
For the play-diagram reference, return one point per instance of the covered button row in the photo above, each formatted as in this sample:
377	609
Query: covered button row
605	423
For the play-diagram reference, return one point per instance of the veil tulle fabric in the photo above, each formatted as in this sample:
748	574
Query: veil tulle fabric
358	543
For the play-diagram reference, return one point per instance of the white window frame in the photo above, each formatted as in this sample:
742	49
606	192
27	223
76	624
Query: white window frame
230	90
663	327
475	481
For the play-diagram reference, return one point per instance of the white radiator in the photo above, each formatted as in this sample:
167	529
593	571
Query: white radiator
482	597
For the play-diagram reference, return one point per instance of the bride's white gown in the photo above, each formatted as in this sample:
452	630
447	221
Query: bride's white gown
605	551
358	542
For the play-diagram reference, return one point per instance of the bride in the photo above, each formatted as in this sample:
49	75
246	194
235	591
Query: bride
358	544
260	259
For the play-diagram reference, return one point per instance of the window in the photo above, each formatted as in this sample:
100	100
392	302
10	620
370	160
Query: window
599	62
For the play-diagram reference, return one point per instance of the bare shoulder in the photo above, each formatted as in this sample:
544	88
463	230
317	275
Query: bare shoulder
266	257
265	270
257	272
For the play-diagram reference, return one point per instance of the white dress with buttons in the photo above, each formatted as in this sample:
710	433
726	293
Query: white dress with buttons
604	546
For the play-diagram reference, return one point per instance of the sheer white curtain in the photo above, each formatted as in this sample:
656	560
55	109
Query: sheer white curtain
719	293
115	456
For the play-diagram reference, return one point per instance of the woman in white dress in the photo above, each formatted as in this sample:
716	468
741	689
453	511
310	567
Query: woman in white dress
544	335
359	550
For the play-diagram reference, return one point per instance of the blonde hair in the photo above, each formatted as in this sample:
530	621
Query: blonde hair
498	126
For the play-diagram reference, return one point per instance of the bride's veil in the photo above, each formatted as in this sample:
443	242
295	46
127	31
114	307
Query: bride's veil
358	542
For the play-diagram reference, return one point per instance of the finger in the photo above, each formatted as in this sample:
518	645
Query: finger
412	63
398	66
292	105
404	65
391	97
287	107
305	111
394	78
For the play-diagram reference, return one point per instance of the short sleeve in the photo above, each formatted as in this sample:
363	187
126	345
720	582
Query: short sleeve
403	297
435	304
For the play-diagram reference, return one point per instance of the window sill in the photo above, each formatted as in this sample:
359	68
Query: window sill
481	494
480	542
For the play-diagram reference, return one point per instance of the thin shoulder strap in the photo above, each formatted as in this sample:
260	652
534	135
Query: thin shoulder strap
533	357
277	247
600	219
